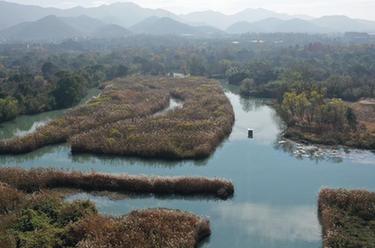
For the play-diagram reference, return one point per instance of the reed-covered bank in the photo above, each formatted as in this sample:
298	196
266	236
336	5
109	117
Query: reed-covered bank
121	121
347	218
39	179
42	219
142	229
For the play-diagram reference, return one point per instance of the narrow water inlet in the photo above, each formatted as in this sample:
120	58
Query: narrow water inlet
174	103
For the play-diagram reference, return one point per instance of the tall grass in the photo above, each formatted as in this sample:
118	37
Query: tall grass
120	121
115	103
37	179
145	228
347	218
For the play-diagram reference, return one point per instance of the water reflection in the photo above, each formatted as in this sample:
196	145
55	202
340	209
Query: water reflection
255	114
60	156
292	223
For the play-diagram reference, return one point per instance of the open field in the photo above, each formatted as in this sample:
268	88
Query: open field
347	218
120	121
43	219
39	179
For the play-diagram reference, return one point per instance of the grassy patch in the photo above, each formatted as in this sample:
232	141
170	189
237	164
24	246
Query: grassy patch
121	121
348	218
35	180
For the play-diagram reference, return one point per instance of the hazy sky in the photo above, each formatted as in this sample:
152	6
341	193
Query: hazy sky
354	8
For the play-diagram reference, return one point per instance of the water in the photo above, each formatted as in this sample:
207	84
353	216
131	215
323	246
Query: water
173	104
276	181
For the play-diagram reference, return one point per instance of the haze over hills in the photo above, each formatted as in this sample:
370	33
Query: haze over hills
166	25
24	23
327	24
124	14
53	28
274	25
222	21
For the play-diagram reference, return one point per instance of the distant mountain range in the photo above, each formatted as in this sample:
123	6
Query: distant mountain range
222	21
123	14
169	26
34	23
53	28
327	24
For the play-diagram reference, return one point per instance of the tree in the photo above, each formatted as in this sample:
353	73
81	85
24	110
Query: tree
8	108
246	86
261	72
334	114
351	118
69	90
49	70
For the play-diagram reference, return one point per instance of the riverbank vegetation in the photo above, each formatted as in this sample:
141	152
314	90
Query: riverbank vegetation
40	79
41	179
120	121
279	64
44	220
347	218
311	117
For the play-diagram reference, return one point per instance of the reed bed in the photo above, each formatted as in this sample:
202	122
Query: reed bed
347	218
190	132
143	229
38	179
43	219
116	102
121	121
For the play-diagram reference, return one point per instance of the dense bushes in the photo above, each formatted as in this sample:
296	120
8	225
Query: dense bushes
44	220
70	89
8	108
120	121
38	220
35	180
347	218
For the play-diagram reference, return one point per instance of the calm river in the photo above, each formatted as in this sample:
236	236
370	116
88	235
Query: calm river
276	181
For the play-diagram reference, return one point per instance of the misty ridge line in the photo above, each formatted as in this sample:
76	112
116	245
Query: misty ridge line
33	23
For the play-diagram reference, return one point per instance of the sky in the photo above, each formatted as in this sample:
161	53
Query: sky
354	8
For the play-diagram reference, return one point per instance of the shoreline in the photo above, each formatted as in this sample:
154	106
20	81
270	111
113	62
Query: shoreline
330	139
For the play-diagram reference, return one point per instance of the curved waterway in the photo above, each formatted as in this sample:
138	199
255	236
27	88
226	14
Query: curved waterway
276	181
